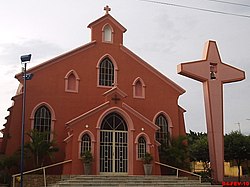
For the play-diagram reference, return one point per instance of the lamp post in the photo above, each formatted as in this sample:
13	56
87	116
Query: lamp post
239	127
24	60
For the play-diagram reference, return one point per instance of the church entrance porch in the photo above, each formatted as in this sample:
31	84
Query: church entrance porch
113	145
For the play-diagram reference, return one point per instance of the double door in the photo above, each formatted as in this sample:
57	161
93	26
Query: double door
113	152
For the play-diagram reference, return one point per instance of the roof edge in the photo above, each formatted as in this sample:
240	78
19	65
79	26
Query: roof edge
56	59
107	16
153	70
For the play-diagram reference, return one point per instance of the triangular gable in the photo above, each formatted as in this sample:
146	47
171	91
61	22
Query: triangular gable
88	113
103	18
114	95
153	70
140	116
57	59
115	90
106	105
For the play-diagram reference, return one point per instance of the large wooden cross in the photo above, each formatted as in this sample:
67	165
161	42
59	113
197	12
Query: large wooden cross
213	74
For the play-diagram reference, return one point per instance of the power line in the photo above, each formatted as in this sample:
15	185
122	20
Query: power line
231	3
195	8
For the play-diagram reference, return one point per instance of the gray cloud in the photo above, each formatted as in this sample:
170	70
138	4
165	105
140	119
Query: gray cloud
39	49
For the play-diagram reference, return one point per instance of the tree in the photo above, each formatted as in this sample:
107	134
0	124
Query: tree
248	155
40	147
199	152
175	153
236	148
198	148
193	136
7	163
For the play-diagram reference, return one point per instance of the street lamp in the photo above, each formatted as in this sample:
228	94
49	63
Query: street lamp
238	126
24	60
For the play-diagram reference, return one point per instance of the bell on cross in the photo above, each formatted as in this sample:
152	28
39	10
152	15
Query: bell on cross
213	71
212	75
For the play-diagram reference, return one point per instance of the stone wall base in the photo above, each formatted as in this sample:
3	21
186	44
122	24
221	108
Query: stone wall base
36	180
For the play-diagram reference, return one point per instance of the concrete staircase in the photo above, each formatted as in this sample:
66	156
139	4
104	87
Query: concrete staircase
129	181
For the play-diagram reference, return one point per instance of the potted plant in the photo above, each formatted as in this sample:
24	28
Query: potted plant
147	159
87	159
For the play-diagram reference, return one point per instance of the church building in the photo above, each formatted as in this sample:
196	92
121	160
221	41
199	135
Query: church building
99	97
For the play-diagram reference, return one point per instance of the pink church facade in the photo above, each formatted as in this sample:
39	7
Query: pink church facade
99	97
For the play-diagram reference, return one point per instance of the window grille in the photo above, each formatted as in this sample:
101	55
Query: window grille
106	73
42	121
162	133
85	144
141	147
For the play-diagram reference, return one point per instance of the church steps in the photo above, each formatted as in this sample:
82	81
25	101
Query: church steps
128	181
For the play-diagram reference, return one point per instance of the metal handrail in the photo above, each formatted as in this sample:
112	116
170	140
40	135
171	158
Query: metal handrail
178	169
37	169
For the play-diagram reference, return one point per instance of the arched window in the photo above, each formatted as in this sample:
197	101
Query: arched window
107	34
141	147
138	88
42	120
114	121
162	133
71	81
106	72
85	144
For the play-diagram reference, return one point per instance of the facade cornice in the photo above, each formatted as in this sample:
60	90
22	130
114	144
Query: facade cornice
113	20
88	113
56	59
117	90
140	116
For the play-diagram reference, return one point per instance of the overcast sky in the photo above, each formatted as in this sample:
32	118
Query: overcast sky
162	35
